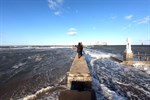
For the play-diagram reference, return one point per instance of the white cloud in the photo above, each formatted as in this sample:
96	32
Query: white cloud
60	1
57	13
144	20
72	31
52	4
129	17
55	5
113	17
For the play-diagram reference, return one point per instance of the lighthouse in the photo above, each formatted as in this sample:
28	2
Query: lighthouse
128	54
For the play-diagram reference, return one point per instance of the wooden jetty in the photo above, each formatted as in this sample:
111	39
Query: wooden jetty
78	82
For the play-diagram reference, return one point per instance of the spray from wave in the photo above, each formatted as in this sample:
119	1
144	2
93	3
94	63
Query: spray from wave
44	92
38	93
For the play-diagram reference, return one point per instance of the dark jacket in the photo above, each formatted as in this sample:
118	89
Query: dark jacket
79	47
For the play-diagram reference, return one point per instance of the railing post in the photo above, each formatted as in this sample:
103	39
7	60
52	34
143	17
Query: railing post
145	58
138	55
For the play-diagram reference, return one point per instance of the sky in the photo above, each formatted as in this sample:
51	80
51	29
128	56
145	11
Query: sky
67	22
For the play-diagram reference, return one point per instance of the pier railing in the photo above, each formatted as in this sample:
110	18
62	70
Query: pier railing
142	56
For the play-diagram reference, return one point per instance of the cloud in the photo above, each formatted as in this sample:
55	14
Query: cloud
113	17
57	13
144	20
129	17
72	31
127	27
55	5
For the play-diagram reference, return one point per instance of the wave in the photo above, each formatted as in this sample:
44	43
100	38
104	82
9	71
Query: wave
38	93
45	91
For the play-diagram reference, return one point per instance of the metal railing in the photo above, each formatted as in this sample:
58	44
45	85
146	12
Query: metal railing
142	56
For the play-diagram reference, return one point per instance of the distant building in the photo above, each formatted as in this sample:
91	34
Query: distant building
142	43
100	43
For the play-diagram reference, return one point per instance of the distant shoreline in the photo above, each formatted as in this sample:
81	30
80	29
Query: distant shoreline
13	46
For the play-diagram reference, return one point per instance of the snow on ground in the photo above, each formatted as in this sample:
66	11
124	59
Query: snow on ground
113	81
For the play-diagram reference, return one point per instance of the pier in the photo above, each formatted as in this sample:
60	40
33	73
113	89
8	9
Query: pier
78	82
79	72
143	57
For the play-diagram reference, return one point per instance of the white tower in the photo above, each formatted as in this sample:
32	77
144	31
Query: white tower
128	45
128	55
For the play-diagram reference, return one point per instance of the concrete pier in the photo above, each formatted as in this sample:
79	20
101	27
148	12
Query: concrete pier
78	82
75	95
79	72
128	56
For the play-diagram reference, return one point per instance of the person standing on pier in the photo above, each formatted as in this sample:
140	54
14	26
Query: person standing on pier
79	49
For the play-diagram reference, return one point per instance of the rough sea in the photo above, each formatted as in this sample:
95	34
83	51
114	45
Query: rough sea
40	72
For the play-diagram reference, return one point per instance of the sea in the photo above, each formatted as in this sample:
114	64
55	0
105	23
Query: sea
27	71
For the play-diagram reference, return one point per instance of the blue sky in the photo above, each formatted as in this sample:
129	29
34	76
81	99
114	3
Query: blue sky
65	22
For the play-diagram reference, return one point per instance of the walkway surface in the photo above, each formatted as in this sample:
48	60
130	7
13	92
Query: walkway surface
78	82
79	65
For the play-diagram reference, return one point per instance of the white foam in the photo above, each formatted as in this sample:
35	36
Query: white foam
111	95
38	58
61	47
116	72
18	65
96	54
39	92
142	67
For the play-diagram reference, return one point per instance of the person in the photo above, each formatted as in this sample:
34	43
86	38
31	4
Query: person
79	49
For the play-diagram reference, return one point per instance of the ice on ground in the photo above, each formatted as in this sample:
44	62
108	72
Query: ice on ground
111	80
